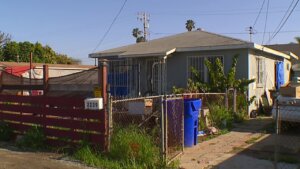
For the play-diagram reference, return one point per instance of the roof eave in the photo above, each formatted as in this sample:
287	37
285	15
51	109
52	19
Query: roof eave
99	55
207	48
271	51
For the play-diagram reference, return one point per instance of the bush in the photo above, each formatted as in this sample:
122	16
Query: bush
6	132
33	139
220	117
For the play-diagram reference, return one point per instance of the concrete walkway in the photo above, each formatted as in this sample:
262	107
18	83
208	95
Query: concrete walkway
224	151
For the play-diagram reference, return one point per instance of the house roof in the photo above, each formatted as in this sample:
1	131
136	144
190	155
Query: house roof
292	47
198	40
163	45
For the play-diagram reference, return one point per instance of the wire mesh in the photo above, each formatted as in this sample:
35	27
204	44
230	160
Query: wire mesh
287	134
174	108
143	114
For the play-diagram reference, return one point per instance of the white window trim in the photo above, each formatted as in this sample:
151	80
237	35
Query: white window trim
258	83
205	68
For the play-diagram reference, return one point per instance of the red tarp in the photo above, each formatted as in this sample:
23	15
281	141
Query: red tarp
17	70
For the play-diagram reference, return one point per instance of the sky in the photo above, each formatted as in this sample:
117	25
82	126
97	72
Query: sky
75	27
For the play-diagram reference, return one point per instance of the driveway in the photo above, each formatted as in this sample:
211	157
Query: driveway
11	158
247	146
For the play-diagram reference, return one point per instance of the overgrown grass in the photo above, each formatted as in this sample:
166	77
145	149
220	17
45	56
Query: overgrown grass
131	148
6	132
33	139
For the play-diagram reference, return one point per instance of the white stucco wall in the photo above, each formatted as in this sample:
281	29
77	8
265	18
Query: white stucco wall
269	76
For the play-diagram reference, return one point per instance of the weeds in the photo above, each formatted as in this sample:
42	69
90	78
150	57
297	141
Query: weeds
6	132
220	116
131	148
34	139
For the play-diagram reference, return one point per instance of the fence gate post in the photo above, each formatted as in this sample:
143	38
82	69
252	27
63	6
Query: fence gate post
102	78
45	78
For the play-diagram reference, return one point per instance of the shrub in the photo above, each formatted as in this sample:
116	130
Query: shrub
220	117
34	138
6	132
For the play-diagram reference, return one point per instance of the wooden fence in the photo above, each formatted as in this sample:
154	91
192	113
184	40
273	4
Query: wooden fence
63	119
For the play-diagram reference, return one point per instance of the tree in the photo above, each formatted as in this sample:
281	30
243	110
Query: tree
25	48
190	25
219	81
138	35
4	38
11	51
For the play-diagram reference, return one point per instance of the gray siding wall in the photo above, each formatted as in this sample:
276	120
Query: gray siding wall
177	65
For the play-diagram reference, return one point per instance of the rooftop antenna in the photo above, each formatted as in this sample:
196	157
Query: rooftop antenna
145	18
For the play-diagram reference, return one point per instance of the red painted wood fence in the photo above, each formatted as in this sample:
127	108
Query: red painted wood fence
63	119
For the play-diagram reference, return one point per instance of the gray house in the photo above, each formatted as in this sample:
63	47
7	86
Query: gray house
156	66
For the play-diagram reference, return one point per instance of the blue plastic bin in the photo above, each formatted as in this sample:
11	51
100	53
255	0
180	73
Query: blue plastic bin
191	113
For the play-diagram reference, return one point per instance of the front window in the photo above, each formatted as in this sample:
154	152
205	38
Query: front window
198	62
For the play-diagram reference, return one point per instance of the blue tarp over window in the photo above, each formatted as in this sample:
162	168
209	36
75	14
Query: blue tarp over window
279	74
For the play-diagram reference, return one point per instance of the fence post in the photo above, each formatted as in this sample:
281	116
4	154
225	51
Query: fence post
277	117
234	100
162	121
1	81
102	78
110	120
226	99
45	78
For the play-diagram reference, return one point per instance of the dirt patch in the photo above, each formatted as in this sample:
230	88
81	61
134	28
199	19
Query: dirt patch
12	158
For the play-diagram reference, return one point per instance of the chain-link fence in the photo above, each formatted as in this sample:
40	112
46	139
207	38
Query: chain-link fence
139	115
160	117
286	136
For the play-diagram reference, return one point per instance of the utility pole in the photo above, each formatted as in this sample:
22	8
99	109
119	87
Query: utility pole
251	32
144	18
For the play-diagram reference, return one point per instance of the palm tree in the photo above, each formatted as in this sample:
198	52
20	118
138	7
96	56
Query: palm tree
138	35
136	32
190	25
298	39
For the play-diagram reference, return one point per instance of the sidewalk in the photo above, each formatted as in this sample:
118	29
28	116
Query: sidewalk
215	151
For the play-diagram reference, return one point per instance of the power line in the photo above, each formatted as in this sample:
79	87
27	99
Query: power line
283	22
284	16
266	21
259	13
171	33
110	26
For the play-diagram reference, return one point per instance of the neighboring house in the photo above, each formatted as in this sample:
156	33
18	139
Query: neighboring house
66	77
55	70
166	62
293	48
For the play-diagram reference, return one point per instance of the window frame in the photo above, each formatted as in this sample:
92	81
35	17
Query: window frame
205	70
260	73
